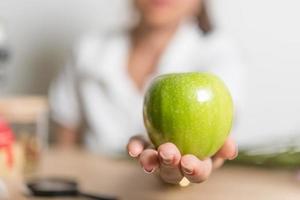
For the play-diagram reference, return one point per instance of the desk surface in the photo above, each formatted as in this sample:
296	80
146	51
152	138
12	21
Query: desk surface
125	179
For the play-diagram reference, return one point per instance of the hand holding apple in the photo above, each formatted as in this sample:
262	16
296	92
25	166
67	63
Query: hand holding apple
188	117
173	166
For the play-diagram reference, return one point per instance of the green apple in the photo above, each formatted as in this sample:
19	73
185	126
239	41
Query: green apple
192	110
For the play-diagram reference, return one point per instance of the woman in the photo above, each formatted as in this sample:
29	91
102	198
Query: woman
104	83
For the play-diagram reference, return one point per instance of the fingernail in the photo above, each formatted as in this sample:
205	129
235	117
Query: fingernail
167	158
235	154
132	154
187	170
149	171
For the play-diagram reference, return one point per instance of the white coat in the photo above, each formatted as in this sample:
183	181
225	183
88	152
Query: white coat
111	103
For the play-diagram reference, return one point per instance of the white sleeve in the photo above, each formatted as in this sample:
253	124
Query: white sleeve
63	94
63	99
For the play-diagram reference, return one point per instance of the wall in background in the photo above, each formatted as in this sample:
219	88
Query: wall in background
41	32
269	35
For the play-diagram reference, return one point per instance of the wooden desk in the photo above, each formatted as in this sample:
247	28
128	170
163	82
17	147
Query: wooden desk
125	179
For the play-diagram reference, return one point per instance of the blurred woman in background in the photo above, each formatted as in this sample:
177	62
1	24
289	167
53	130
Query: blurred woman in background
102	86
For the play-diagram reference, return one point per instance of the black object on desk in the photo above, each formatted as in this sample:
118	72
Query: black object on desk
57	187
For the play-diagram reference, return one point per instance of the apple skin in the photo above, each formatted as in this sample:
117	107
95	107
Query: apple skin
192	110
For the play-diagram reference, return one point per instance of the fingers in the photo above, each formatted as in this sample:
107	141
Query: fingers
195	170
217	162
169	159
172	166
136	145
149	160
228	151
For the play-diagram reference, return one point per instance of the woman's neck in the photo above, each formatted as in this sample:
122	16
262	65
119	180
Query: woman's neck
148	44
154	36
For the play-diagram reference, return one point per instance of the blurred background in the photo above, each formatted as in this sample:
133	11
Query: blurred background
36	38
39	36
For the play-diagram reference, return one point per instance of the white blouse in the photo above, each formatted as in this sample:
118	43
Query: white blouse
96	82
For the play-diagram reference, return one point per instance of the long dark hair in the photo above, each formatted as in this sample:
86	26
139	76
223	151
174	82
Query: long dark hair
204	20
